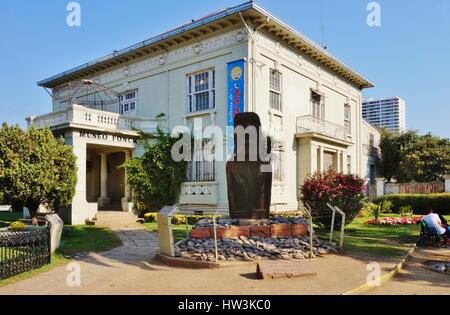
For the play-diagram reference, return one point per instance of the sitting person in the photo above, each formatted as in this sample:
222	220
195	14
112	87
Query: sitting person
434	221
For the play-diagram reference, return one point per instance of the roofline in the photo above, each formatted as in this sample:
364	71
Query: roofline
383	99
311	42
208	19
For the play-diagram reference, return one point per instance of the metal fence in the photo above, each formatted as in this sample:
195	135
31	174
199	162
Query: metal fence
23	251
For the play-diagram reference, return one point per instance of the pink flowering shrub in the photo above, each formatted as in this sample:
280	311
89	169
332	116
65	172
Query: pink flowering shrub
343	191
395	221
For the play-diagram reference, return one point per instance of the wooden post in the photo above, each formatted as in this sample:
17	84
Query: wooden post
311	234
333	217
341	242
215	239
187	226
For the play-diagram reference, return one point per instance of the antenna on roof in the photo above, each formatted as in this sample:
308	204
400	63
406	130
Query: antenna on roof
322	26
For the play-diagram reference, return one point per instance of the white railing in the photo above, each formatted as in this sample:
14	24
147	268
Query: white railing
307	124
80	115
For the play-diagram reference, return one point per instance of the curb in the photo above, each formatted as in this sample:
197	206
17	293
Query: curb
187	263
385	278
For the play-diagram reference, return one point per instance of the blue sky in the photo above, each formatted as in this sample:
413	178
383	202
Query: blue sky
408	56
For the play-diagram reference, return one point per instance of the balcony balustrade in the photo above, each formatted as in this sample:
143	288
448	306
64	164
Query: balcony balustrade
311	124
77	115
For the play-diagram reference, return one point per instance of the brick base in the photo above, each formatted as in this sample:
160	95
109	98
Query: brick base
201	233
299	230
281	230
263	231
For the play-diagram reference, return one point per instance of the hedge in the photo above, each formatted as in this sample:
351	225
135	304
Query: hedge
420	203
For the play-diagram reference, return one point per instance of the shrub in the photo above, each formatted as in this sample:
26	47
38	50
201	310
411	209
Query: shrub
151	217
421	203
374	210
178	220
17	227
156	177
406	211
343	191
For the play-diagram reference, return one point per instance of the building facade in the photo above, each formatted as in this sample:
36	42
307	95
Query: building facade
238	59
387	113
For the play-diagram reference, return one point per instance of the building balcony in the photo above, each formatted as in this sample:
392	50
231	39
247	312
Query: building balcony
309	126
77	116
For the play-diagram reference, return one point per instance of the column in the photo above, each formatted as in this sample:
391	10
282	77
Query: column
321	159
127	197
338	162
104	199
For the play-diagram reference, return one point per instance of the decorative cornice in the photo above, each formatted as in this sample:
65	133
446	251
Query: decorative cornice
203	47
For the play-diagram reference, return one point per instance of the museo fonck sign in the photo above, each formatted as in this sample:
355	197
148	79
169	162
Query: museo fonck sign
106	137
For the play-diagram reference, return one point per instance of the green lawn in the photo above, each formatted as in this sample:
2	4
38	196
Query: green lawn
179	231
83	238
374	240
75	239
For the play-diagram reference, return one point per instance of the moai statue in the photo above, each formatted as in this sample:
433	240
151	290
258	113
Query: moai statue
249	172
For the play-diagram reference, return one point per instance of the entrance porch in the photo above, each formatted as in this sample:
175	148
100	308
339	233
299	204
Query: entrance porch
106	181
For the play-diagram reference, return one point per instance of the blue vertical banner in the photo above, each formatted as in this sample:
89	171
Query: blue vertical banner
236	93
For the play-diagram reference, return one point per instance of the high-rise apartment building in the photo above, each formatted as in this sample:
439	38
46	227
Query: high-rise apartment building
387	113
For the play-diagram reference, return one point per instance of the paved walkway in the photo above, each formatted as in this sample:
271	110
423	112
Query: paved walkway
415	279
130	269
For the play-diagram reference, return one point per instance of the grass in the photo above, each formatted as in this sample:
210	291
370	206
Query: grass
75	239
179	231
376	240
82	238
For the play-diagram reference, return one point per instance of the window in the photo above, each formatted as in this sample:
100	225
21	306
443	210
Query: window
278	163
348	118
202	166
201	89
275	90
318	105
128	103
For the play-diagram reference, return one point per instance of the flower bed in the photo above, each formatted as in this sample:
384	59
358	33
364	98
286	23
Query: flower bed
396	221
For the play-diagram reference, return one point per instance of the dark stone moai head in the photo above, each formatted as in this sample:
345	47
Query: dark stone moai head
247	138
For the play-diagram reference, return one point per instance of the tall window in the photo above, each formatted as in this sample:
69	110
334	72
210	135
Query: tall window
275	90
201	89
318	105
278	163
348	118
202	166
128	103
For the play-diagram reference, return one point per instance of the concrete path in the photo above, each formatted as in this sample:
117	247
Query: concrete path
130	269
415	279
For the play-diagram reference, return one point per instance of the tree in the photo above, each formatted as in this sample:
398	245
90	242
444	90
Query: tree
156	178
410	157
36	169
390	154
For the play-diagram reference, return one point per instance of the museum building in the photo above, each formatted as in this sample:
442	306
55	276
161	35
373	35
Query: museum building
234	60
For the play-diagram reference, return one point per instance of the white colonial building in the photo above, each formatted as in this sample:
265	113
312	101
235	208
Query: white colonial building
241	56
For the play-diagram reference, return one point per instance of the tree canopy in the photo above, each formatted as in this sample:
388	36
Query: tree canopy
410	157
36	169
